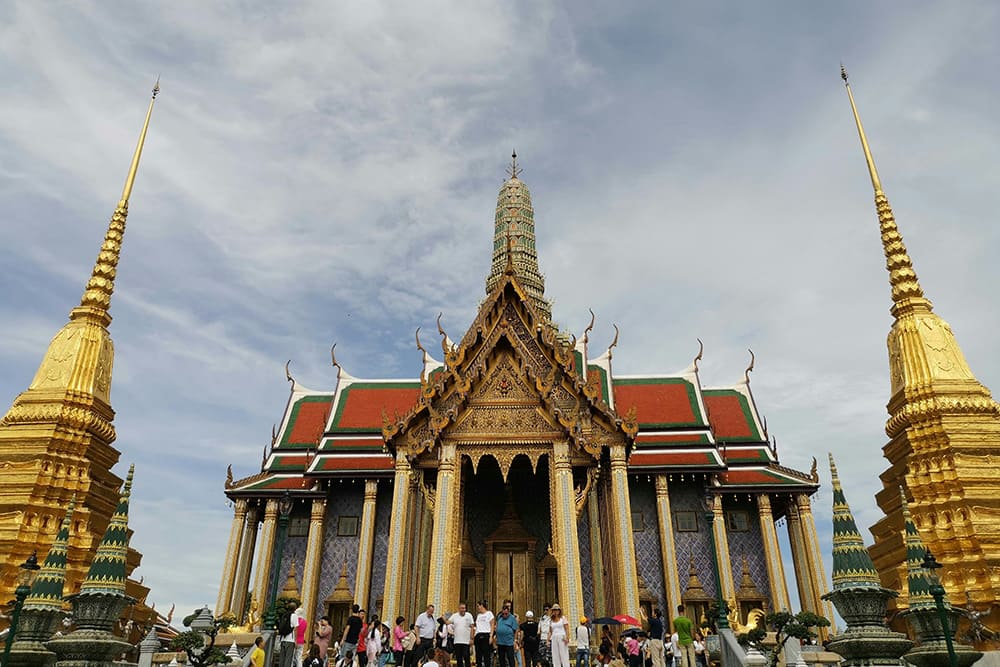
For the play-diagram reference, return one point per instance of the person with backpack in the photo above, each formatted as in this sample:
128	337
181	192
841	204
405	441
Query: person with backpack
288	623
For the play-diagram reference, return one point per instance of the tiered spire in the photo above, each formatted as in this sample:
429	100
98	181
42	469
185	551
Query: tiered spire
902	276
47	591
917	584
514	241
107	571
852	566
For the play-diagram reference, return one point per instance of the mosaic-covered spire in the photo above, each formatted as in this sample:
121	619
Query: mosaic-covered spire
107	570
514	241
47	591
918	585
852	566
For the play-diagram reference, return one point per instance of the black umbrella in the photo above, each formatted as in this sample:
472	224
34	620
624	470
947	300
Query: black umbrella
606	620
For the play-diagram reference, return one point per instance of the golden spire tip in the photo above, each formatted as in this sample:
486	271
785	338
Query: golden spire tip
513	170
843	72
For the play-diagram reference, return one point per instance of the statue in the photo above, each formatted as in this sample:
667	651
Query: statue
977	631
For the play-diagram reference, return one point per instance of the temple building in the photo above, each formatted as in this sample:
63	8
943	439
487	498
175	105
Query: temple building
56	440
944	439
520	466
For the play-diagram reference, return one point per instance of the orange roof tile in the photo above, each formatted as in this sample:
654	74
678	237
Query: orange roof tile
659	402
730	416
307	421
361	404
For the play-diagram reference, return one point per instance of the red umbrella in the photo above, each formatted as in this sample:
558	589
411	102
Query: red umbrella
625	619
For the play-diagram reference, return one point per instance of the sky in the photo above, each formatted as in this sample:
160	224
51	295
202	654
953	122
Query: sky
327	172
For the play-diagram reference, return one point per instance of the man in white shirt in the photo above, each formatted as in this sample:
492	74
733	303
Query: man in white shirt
544	630
675	649
426	626
460	627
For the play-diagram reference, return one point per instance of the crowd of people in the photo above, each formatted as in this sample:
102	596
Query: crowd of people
494	640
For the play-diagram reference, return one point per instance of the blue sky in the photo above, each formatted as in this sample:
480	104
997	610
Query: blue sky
328	172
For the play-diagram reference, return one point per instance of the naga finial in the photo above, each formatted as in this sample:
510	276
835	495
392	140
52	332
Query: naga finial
288	373
333	358
698	357
274	434
814	471
444	336
419	346
229	476
614	343
590	327
170	614
746	373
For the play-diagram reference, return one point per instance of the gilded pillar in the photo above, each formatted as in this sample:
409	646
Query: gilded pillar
817	578
668	551
799	560
311	567
366	546
623	545
398	548
772	555
444	550
596	550
565	536
232	558
265	554
722	549
244	565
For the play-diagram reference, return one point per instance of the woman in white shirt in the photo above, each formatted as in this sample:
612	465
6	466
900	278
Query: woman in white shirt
559	638
484	634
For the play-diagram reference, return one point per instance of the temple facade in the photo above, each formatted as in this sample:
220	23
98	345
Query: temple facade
944	439
520	466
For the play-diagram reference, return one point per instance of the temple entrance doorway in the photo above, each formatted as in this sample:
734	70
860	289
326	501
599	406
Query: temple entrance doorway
508	531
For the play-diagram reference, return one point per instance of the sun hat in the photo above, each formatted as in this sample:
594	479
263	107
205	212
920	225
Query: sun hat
555	607
529	614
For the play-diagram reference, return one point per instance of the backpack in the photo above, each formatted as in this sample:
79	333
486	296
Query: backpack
285	623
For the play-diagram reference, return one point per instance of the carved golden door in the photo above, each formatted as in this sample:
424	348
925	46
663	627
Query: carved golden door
513	575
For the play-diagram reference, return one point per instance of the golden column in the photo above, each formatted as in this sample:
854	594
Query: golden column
244	564
565	537
366	546
265	554
772	555
817	577
596	549
722	549
668	551
232	558
310	568
623	545
803	573
397	557
444	550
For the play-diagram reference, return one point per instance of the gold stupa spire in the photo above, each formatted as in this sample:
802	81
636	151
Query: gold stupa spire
902	277
97	296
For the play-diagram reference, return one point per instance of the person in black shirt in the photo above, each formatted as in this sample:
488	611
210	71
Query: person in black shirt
656	639
352	631
529	639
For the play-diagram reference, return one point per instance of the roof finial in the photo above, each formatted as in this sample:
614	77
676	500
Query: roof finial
513	170
590	327
701	353
746	373
97	297
902	277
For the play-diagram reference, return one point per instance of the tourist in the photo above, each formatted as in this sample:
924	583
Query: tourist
257	654
505	628
441	638
699	649
685	641
632	650
558	637
484	633
398	634
314	659
347	660
544	632
655	642
429	658
529	639
426	629
442	658
675	650
460	626
361	653
352	632
287	627
373	642
321	637
582	643
300	635
410	643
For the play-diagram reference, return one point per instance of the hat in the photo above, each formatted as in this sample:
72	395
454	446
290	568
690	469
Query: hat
555	607
583	620
529	614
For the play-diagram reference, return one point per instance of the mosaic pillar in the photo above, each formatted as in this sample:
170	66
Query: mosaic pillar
444	550
244	564
623	544
565	536
232	558
394	567
772	555
817	578
310	568
265	554
596	552
668	551
411	566
366	546
722	550
807	601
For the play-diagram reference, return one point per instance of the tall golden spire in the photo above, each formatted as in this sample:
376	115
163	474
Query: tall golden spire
902	277
97	296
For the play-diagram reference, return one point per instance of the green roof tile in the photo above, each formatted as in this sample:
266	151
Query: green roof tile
107	570
47	591
852	566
